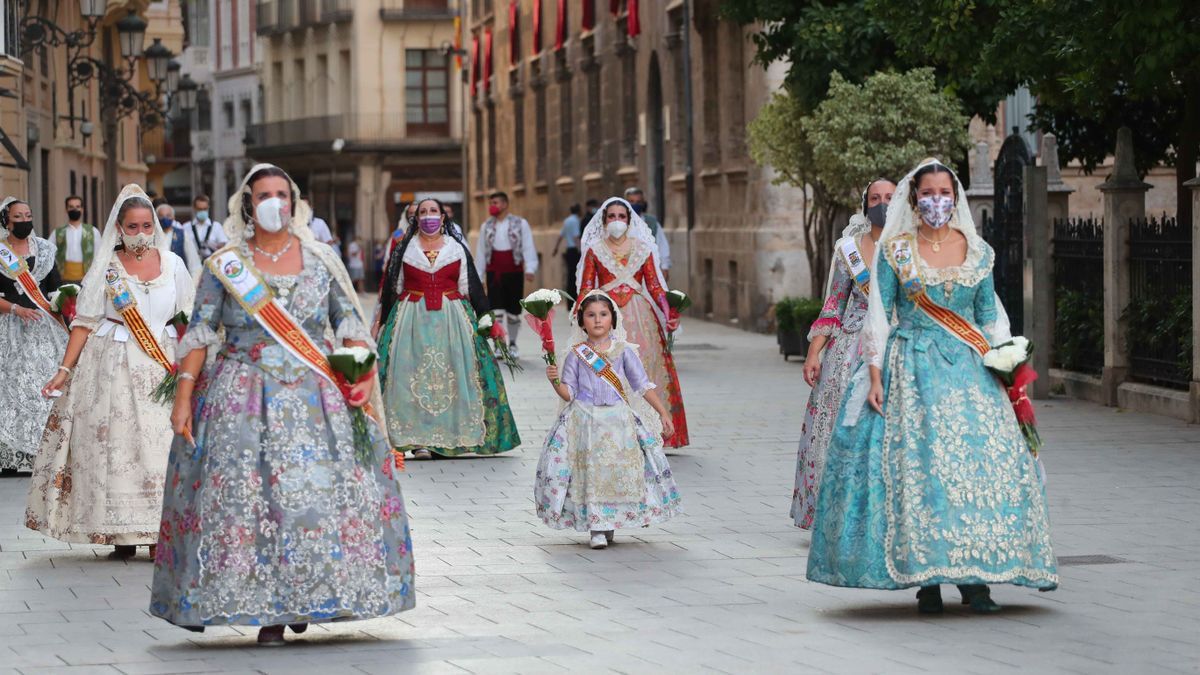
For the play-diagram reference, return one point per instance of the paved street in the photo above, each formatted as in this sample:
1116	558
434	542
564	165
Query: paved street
719	589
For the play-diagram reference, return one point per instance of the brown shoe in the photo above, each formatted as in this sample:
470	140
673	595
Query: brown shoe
122	552
270	636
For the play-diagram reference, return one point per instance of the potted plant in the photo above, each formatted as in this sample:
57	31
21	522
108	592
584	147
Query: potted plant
792	320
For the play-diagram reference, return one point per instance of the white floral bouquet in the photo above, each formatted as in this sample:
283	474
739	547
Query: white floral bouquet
539	314
1010	362
350	366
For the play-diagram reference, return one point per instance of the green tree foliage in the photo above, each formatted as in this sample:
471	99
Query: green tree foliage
882	127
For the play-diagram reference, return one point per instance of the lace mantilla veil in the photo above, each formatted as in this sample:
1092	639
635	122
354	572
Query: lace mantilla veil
595	233
93	295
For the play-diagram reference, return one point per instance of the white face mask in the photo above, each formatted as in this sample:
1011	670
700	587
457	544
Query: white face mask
617	228
137	244
272	214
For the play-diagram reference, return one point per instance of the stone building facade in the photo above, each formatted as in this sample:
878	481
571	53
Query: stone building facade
572	104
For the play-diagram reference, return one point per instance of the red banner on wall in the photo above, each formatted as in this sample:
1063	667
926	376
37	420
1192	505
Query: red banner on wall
560	25
513	33
589	14
487	59
635	26
537	27
474	65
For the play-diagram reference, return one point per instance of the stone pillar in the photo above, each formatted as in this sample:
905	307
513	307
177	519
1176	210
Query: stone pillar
1194	403
1124	199
1058	200
1039	277
980	193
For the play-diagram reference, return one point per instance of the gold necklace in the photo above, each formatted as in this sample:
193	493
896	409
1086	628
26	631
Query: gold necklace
936	243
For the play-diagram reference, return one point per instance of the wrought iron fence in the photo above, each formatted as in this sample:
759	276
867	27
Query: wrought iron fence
1159	317
1079	294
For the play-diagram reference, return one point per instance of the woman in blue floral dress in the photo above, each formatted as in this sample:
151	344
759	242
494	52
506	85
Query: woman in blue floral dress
935	483
277	513
836	331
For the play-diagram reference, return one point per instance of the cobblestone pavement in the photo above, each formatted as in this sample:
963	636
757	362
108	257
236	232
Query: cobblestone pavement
719	589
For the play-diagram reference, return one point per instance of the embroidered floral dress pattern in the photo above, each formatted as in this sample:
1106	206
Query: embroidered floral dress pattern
841	319
601	467
271	518
941	488
29	356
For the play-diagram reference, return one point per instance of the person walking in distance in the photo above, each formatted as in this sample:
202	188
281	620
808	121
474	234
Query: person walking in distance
207	233
571	229
76	243
504	251
637	199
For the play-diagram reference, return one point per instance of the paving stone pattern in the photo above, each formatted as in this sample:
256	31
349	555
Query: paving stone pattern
720	589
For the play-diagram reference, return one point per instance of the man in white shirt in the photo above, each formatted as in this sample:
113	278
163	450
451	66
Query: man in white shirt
504	251
320	228
181	244
572	229
76	242
207	234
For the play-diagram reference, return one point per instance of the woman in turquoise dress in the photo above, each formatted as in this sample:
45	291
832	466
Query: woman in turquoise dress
441	387
935	483
278	512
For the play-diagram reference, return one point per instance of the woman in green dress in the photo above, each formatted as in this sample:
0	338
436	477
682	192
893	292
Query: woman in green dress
442	389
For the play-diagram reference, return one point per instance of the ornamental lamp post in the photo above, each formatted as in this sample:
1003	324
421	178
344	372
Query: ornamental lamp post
132	32
158	59
187	93
93	9
173	69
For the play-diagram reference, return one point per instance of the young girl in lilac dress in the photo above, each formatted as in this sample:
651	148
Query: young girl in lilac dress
603	467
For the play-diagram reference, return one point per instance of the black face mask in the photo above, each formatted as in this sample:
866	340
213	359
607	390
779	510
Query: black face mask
877	214
21	229
74	214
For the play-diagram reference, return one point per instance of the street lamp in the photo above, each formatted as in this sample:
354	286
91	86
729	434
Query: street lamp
158	59
187	93
93	9
173	69
132	31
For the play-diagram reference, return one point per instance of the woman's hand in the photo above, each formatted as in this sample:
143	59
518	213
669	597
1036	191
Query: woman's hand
375	329
552	373
360	392
181	416
875	396
55	384
26	314
812	368
668	427
672	324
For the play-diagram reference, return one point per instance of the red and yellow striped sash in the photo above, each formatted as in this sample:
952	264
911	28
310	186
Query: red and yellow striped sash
904	255
601	367
16	268
126	305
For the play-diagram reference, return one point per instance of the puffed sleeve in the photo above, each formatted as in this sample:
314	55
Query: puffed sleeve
587	282
201	331
840	287
343	316
635	372
570	373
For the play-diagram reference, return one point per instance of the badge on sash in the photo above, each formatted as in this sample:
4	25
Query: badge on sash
858	267
600	367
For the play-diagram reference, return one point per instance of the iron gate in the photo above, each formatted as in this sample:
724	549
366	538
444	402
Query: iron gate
1005	230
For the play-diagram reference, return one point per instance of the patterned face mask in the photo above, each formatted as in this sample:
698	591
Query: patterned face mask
137	244
936	210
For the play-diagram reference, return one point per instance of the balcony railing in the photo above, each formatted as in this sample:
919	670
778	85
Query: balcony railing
288	15
415	10
267	15
316	134
336	11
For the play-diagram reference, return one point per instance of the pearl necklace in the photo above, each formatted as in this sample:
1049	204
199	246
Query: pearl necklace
275	256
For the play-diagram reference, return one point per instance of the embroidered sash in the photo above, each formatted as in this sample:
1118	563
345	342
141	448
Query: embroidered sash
126	305
600	367
15	267
858	267
243	282
904	255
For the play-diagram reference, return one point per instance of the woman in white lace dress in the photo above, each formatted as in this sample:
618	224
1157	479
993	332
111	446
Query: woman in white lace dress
98	477
31	339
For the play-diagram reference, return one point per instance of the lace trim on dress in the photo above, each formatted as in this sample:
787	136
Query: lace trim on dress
974	269
352	329
44	260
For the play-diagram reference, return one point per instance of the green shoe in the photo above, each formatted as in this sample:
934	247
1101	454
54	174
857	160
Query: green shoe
979	597
929	600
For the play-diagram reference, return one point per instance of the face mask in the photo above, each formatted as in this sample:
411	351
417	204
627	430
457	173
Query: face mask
639	208
202	215
272	214
137	244
493	210
936	210
166	222
21	228
617	228
430	224
877	214
74	214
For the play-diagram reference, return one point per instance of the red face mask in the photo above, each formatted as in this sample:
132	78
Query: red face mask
493	210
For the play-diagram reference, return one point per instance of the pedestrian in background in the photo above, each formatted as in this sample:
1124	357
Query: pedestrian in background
207	233
75	243
355	263
507	257
182	245
637	199
572	228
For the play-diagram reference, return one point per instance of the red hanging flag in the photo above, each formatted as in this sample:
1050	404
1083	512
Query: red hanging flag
537	27
514	53
487	59
589	14
560	25
634	25
474	65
